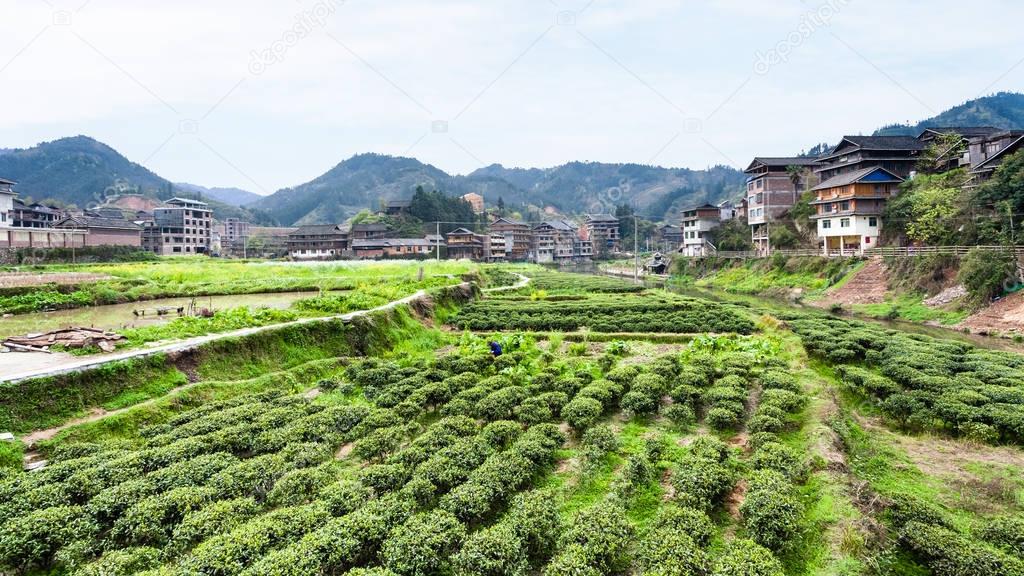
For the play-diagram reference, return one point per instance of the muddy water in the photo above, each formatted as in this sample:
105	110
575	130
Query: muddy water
116	316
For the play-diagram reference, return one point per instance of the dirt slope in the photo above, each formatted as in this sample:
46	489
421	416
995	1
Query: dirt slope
1004	315
867	286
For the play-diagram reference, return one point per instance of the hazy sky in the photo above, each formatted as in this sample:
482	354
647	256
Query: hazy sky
263	94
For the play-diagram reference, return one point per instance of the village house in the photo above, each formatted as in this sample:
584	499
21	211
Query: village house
949	160
498	248
476	201
697	226
670	237
102	231
34	215
849	209
986	153
897	154
369	231
603	229
180	226
556	241
397	207
464	244
7	196
391	248
318	242
518	237
771	192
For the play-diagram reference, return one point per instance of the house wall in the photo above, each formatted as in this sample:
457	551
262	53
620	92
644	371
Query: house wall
113	237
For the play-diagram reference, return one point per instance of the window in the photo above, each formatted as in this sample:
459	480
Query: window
872	221
760	198
826	224
867	240
760	184
844	206
844	222
878	188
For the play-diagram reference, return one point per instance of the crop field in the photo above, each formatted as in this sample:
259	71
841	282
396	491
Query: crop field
773	445
165	278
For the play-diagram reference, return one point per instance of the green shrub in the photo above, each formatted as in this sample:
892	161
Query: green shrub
771	511
598	441
494	551
985	273
122	562
950	554
780	458
581	413
424	544
604	534
31	540
670	553
1006	533
746	558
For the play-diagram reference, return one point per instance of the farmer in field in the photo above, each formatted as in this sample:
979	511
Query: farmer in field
495	348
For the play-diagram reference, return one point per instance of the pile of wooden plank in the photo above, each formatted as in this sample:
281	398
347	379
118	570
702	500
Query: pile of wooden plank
68	338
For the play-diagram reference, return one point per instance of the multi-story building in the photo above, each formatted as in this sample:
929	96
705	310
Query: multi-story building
897	154
498	248
34	215
463	243
318	242
849	209
603	229
697	226
180	226
950	159
7	196
772	189
557	241
476	201
102	231
670	237
518	237
397	207
986	153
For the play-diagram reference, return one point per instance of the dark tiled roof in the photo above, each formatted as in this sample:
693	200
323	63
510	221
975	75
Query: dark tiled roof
855	176
460	232
601	218
317	230
781	161
1008	149
511	221
367	227
96	222
965	131
561	225
7	182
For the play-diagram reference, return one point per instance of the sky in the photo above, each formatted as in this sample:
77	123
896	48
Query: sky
266	94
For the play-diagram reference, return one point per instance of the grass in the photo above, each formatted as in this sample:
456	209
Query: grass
910	307
200	276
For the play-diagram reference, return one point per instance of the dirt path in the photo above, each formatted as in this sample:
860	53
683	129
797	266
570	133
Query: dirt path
27	279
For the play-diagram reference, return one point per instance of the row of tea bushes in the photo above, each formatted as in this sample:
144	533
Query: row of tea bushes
923	383
647	312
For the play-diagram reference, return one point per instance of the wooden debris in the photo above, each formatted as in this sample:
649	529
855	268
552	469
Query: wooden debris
78	337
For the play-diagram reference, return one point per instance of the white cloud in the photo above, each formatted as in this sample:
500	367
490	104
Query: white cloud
531	91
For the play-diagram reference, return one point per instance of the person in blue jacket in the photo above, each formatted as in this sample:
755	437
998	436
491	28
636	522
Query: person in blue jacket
495	348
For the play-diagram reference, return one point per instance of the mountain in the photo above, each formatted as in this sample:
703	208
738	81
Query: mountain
85	172
365	180
1001	110
362	181
230	196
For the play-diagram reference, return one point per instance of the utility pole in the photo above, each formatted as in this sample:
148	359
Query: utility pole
437	239
636	252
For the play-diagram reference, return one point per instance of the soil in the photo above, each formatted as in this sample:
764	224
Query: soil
1002	316
736	498
344	451
24	279
868	286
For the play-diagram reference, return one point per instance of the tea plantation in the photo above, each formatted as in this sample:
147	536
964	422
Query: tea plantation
745	444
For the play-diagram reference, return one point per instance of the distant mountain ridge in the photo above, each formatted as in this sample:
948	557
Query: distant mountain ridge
365	180
82	171
231	196
1001	110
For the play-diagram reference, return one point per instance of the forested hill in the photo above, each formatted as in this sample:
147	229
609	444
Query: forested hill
366	180
1002	110
81	171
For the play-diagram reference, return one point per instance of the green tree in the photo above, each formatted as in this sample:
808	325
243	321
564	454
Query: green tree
937	155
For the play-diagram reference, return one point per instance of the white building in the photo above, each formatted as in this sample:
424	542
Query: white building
849	209
7	195
697	226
